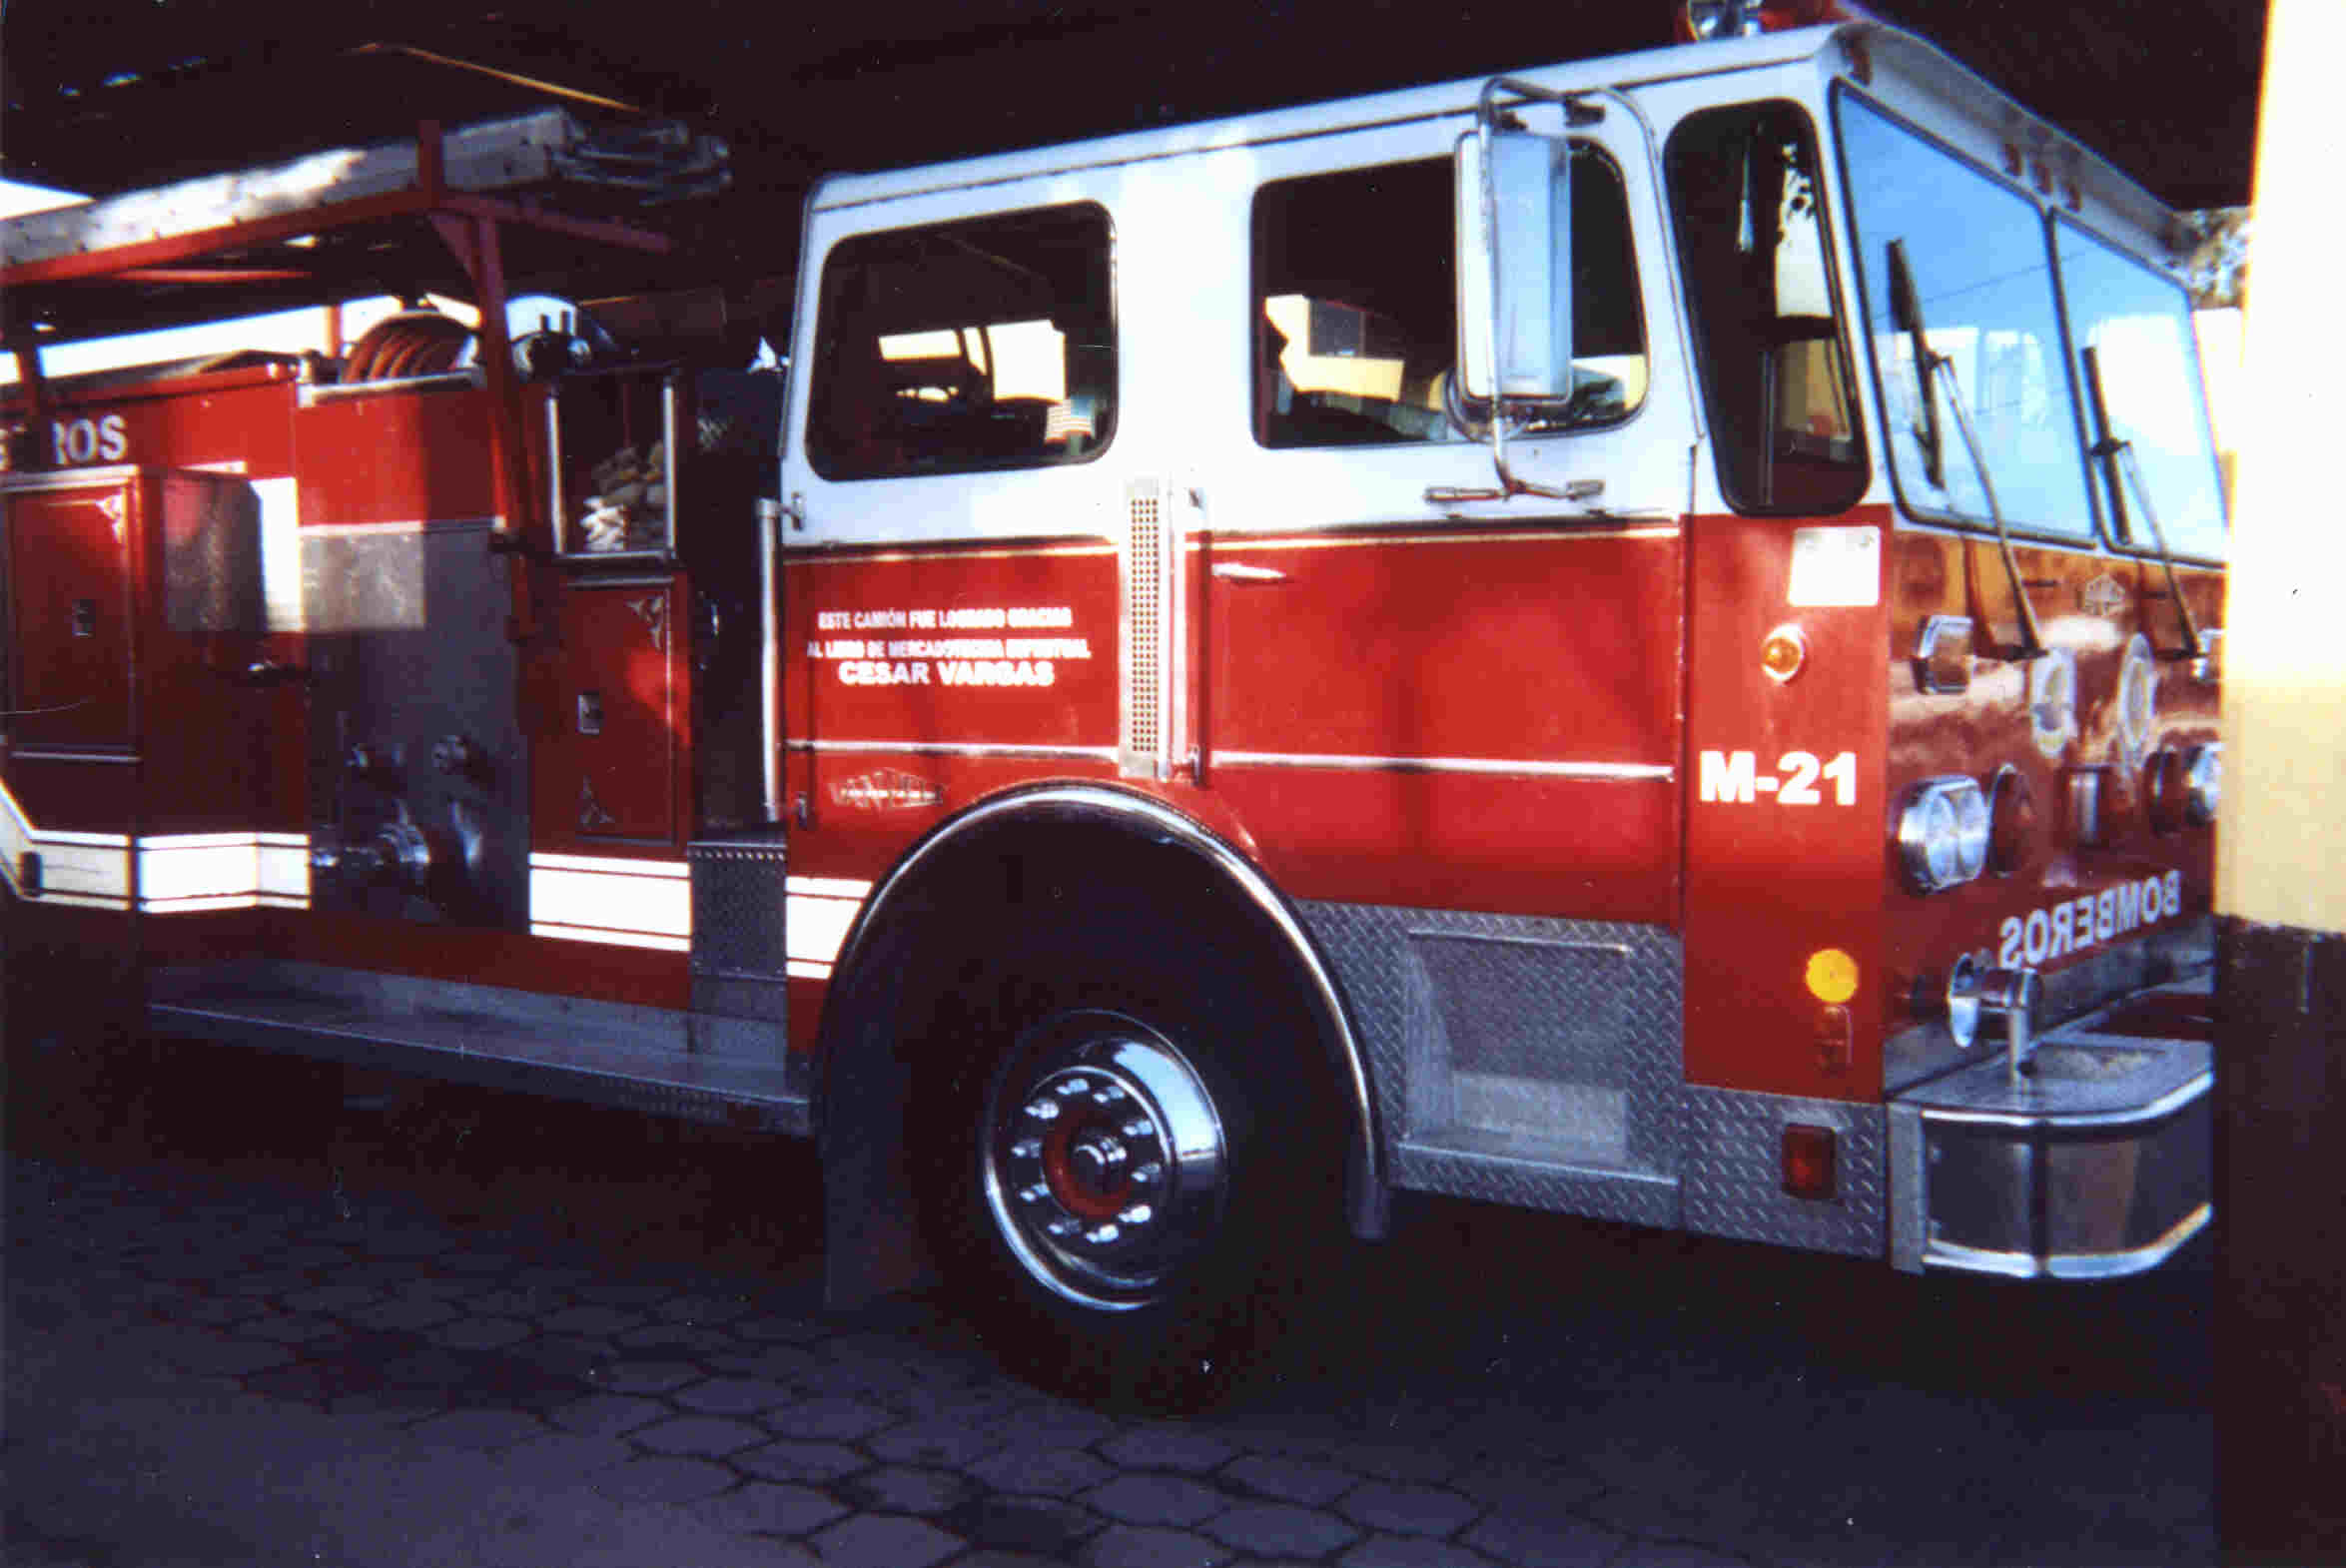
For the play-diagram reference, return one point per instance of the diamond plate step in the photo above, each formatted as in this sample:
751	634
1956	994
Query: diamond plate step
1528	1173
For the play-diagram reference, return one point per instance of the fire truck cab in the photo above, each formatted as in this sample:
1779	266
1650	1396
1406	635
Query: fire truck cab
1635	639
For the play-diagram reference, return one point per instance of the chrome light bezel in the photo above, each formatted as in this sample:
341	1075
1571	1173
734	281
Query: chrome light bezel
2203	782
1943	833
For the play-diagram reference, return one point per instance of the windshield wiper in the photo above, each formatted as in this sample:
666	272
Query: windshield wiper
1906	314
2117	459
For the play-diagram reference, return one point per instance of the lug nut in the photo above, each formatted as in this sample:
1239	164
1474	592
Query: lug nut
1139	1127
1106	1094
1064	1226
1138	1214
1102	1235
1027	1148
1072	1087
1034	1195
1043	1110
1148	1175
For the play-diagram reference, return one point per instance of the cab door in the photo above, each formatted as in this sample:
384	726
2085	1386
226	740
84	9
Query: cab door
1415	695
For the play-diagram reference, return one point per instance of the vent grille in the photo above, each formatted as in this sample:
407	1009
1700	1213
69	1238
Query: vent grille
1144	629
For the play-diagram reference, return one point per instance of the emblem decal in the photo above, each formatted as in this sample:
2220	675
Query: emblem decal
593	818
654	610
2105	595
889	789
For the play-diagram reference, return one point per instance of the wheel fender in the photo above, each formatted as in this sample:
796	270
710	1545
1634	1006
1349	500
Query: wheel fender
865	1077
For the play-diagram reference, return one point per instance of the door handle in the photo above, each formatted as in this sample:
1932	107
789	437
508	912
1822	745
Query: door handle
1240	572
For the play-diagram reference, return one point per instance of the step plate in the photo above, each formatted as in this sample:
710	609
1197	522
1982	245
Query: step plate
641	1058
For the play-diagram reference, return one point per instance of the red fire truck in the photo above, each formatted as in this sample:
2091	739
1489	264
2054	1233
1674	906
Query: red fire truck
1635	639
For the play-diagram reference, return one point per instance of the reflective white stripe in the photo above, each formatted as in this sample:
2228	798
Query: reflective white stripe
600	898
283	879
611	864
83	901
816	912
89	840
813	928
625	939
828	887
181	873
206	866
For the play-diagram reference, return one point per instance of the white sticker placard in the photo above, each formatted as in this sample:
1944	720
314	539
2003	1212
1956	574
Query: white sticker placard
1835	566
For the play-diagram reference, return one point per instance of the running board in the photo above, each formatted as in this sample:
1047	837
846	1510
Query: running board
696	1066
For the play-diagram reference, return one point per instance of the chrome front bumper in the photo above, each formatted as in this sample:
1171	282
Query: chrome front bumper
2095	1165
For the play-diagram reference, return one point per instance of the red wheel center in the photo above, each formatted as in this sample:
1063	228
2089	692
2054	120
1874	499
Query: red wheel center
1084	1185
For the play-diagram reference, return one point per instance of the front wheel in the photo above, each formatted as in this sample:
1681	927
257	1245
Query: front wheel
1133	1176
1105	1163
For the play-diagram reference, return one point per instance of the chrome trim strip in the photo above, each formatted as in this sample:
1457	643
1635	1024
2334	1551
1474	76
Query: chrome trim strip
850	556
1236	543
311	393
2070	1265
1617	771
769	515
2112	1265
942	748
59	754
67	478
2165	1105
402	526
1366	1182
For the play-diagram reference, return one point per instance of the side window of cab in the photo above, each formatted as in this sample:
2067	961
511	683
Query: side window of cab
956	348
1356	304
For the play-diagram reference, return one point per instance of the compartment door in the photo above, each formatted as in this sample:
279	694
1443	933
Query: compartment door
71	599
608	769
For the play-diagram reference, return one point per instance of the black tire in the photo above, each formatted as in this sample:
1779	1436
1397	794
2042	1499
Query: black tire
1091	1046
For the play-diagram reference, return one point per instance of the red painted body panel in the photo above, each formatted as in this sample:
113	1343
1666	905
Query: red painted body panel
1769	883
1527	644
241	416
404	455
616	641
74	797
1407	653
471	956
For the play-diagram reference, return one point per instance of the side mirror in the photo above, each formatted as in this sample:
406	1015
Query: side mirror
1516	266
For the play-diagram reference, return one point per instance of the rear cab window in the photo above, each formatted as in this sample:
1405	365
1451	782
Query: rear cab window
963	347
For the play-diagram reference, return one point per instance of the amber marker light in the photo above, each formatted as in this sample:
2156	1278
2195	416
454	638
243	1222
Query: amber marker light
1832	976
1783	652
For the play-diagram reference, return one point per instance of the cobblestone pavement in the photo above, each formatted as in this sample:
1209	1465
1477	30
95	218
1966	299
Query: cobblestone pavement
219	1363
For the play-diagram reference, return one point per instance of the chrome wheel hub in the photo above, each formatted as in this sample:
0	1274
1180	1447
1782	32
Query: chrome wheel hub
1104	1165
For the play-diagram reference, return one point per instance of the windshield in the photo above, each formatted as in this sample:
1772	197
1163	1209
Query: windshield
2139	323
1983	278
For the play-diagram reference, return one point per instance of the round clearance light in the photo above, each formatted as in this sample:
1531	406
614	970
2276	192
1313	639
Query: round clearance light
2203	782
1943	834
1783	652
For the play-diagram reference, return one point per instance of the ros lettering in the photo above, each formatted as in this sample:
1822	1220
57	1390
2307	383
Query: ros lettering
79	442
